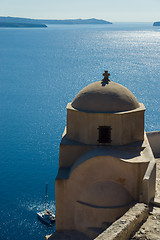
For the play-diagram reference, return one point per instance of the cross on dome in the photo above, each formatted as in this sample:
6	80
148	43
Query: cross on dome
106	75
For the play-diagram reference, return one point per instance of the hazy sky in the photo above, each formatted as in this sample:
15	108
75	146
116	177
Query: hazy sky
111	10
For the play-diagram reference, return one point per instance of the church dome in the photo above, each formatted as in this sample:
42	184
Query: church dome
105	96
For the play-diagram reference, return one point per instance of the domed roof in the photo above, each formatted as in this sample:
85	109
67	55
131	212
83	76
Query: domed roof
105	96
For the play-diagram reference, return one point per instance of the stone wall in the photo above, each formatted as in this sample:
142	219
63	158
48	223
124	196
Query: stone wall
154	140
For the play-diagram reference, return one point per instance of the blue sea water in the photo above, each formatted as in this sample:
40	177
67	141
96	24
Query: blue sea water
41	70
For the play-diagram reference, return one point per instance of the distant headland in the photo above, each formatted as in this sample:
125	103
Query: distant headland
28	22
76	21
156	24
21	25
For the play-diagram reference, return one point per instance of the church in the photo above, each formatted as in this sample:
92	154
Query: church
105	162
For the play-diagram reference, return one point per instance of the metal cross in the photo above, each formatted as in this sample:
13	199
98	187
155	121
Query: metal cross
106	75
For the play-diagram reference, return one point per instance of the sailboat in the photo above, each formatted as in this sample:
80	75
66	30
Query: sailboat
46	216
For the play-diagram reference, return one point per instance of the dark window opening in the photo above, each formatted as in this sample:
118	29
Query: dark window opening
104	134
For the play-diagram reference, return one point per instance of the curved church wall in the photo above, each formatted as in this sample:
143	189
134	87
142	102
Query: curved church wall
126	127
88	195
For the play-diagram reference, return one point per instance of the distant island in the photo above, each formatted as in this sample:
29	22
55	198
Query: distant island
21	25
75	21
28	22
156	24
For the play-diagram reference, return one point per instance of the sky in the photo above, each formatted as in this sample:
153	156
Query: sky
111	10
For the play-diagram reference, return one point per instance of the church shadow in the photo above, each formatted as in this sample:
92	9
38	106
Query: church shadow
104	82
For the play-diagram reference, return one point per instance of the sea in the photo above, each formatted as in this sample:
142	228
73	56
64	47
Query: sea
41	70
